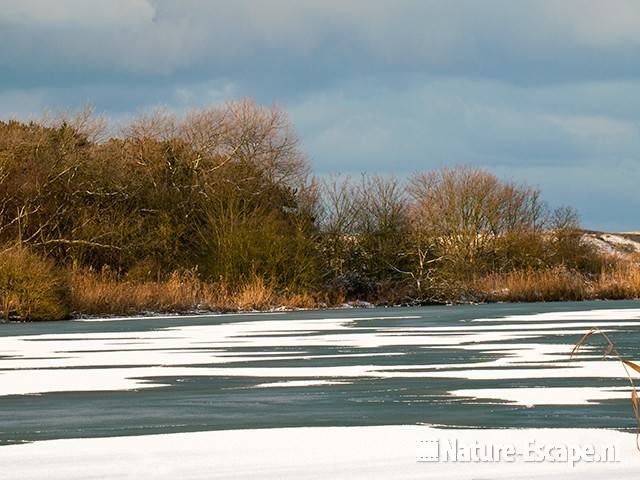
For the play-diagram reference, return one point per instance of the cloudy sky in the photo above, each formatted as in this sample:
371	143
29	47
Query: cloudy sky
546	92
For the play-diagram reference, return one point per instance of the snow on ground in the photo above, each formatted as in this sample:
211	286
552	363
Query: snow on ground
603	315
387	452
530	397
37	364
153	316
612	243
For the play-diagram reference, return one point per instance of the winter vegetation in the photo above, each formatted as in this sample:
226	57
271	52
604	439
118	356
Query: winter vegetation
218	210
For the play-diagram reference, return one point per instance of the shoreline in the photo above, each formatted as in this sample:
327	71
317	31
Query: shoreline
160	314
319	452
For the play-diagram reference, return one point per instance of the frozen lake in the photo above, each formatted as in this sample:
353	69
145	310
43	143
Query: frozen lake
487	366
467	366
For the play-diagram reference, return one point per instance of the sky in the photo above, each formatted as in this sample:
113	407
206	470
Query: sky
545	92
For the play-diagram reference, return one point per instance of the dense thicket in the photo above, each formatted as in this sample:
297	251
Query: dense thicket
225	193
223	190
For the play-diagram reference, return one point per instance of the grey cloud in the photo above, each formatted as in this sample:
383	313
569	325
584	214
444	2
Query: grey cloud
544	91
449	120
528	41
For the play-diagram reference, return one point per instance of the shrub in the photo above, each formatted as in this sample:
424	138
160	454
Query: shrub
31	288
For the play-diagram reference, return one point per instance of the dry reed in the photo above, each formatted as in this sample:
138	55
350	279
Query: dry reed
103	293
533	286
620	281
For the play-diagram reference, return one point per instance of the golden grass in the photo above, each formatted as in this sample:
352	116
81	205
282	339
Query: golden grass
620	281
95	293
533	286
103	293
255	295
302	301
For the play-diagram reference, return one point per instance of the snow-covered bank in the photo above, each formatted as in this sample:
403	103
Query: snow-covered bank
386	452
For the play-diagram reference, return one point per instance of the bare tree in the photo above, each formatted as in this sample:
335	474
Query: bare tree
462	212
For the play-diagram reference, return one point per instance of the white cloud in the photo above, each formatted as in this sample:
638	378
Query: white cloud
595	23
85	14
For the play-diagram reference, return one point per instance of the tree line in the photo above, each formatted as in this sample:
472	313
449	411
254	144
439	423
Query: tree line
227	193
